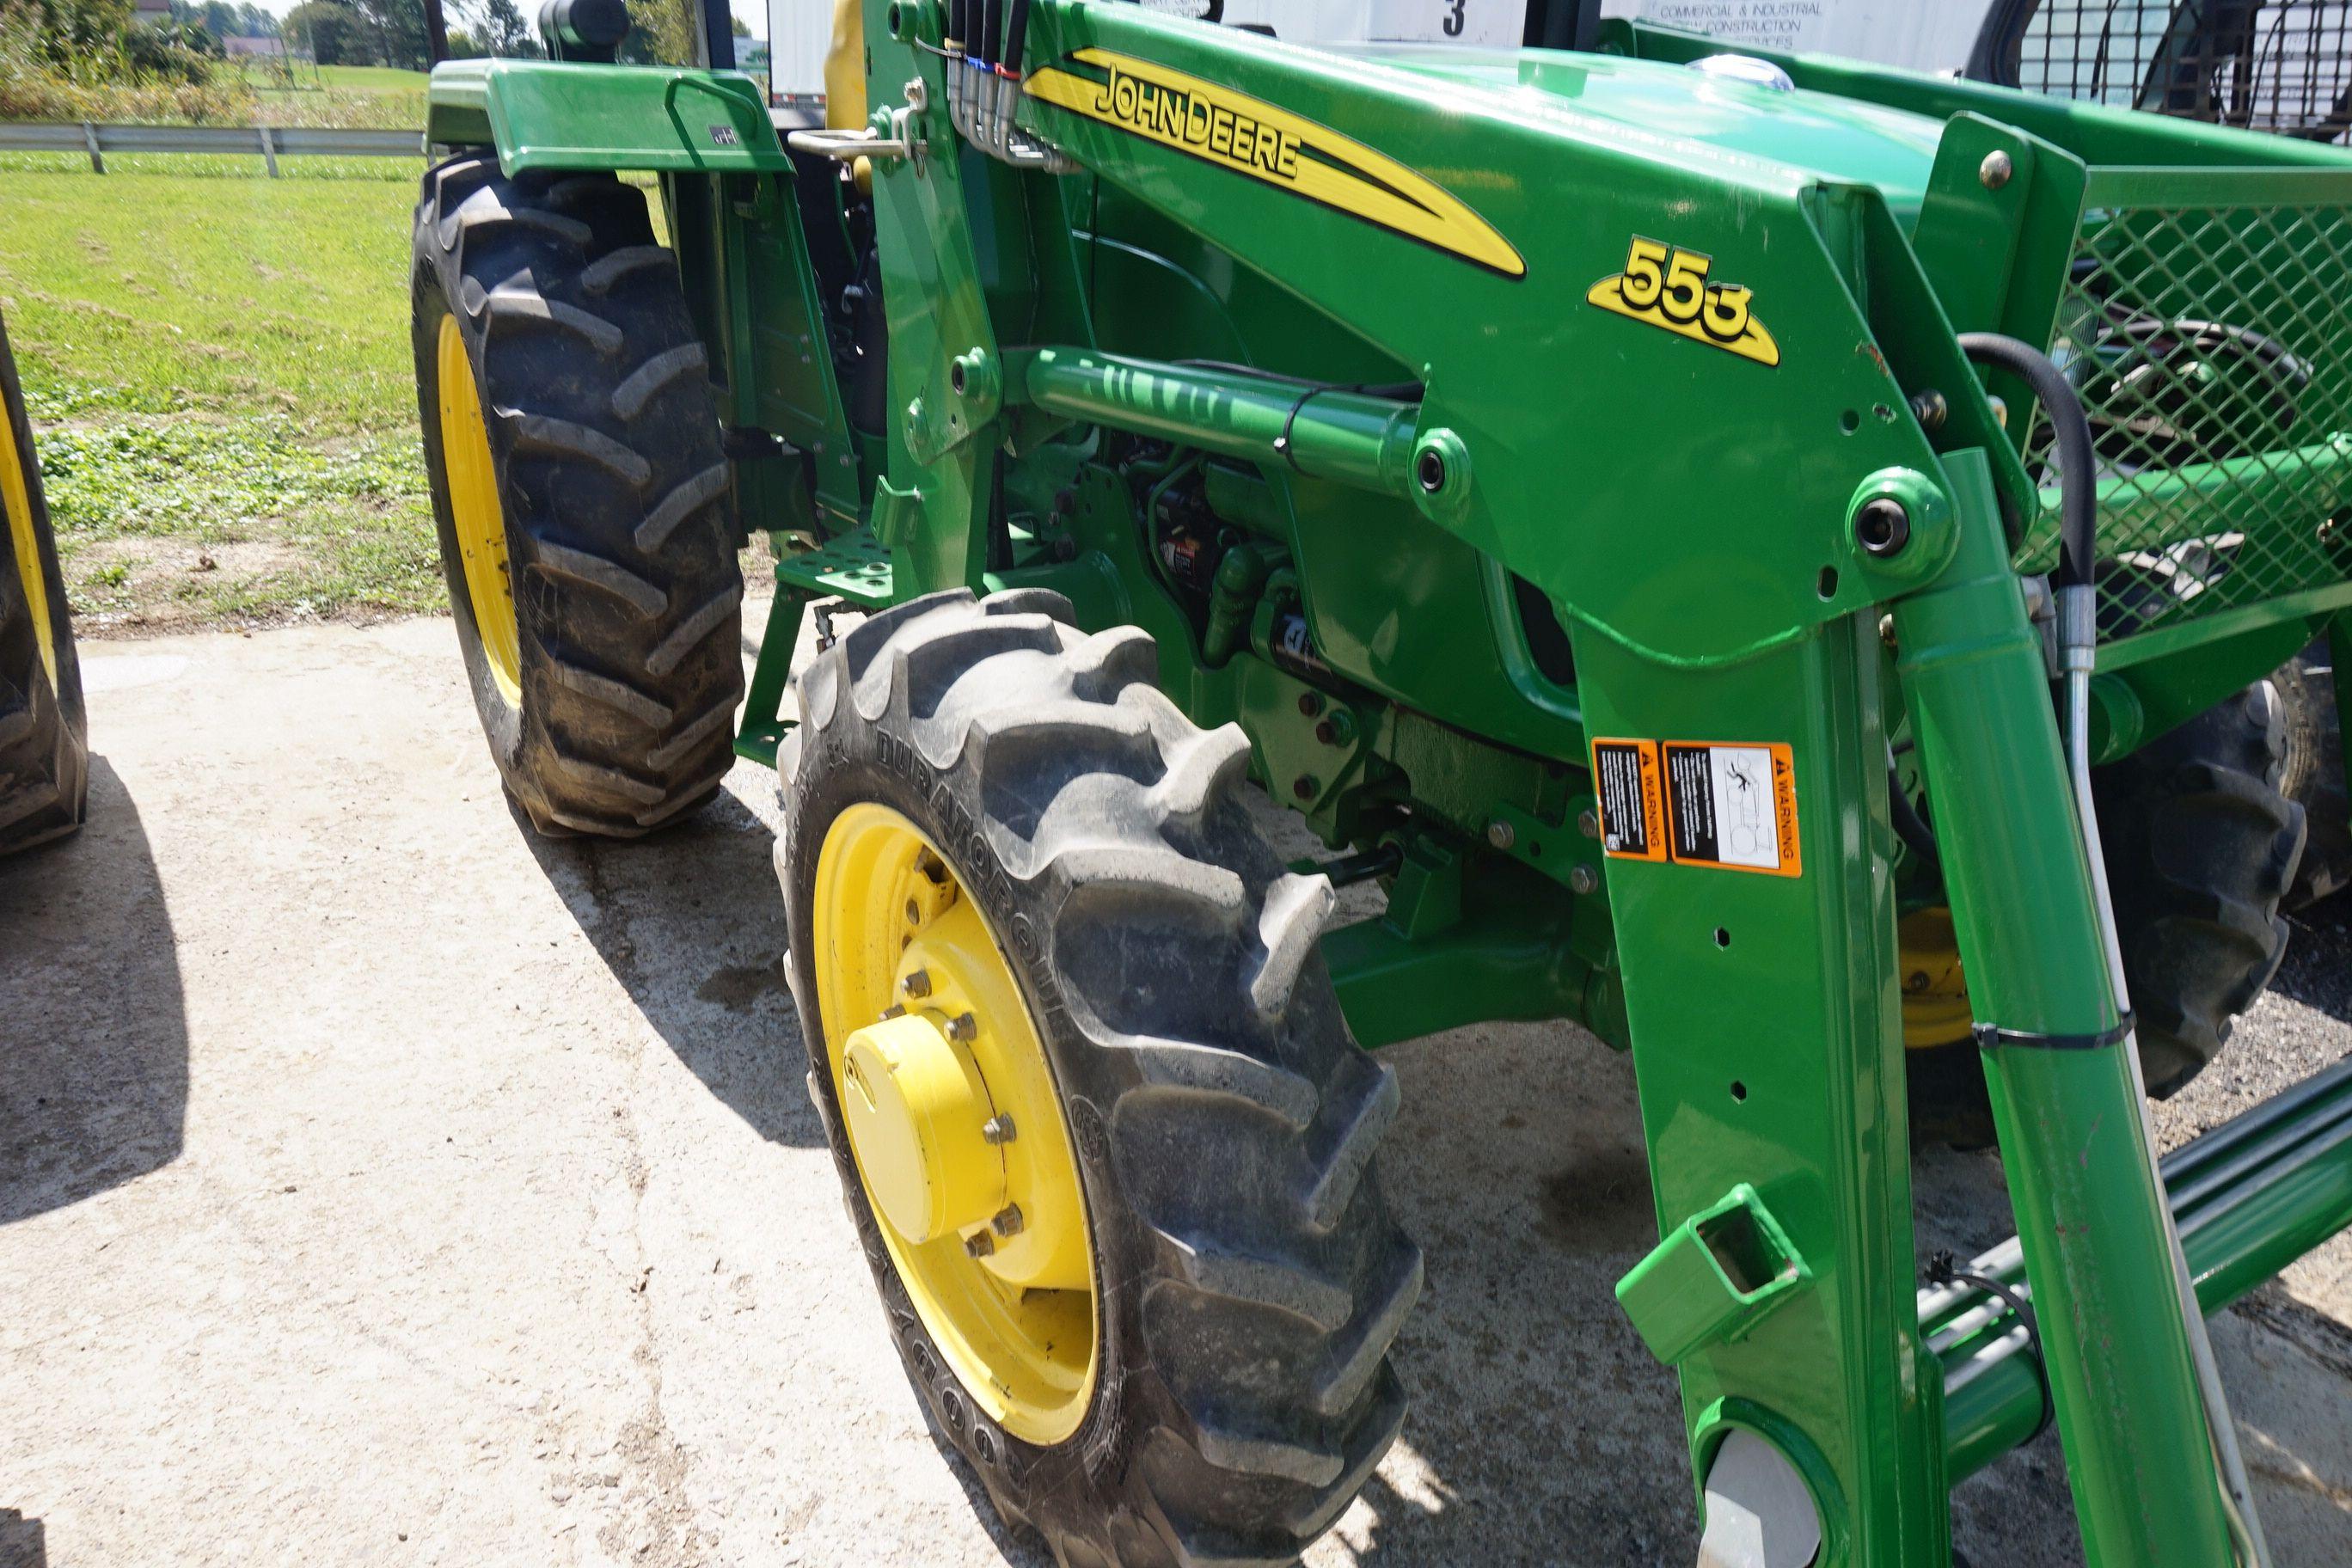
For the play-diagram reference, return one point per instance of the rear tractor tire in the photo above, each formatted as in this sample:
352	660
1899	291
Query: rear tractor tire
2202	846
581	492
1101	1130
44	738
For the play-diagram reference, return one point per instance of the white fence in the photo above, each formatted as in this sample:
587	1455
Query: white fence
270	142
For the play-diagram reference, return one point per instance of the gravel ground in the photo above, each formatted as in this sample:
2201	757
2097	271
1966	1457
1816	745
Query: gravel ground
383	1184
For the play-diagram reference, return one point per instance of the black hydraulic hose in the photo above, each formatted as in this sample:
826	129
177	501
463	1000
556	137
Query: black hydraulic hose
1909	825
1016	34
992	30
2078	495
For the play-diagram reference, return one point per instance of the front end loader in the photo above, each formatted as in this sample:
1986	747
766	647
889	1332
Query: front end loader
1773	559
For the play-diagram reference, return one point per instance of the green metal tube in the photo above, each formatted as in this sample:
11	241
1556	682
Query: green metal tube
2249	1197
2156	509
2090	1216
1345	436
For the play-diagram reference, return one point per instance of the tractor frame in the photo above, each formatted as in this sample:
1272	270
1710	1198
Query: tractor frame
1485	534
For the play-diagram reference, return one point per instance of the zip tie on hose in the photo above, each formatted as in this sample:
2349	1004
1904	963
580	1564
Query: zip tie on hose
1988	1035
1943	1268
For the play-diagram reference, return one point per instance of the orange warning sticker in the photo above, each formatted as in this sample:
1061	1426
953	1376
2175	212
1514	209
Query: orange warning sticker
1733	805
1633	799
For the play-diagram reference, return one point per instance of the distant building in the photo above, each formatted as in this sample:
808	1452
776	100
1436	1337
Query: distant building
256	48
157	12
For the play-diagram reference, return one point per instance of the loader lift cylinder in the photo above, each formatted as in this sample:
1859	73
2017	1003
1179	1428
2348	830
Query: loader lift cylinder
2090	1217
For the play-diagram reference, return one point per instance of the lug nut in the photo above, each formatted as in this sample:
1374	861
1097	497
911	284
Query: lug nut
980	1244
1008	1221
1882	527
1501	834
1583	878
894	1011
918	983
962	1028
997	1129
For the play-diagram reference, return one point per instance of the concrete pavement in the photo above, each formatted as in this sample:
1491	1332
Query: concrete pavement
382	1185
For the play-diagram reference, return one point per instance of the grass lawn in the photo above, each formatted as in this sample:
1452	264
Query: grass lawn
219	374
373	78
376	95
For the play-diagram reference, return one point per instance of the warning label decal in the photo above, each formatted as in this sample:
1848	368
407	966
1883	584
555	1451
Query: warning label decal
1633	800
1732	805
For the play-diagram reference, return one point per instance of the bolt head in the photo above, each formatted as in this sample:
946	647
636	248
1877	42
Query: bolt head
1882	527
979	1244
962	1028
1583	880
918	983
1303	786
1501	834
1310	704
1588	822
1328	732
998	1129
1995	170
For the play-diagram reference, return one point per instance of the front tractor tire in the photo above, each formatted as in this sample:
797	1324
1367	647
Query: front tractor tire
1106	1141
581	494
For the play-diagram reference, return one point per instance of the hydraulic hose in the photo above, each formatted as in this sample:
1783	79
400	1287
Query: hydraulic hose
2078	495
2078	513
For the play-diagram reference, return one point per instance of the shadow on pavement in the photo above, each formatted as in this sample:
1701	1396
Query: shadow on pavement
690	922
94	1079
2317	971
22	1543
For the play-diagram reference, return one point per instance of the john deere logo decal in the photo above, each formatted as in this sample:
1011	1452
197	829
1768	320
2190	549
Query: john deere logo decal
1668	287
1253	137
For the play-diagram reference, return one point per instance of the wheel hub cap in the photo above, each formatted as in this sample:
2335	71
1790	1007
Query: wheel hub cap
955	1123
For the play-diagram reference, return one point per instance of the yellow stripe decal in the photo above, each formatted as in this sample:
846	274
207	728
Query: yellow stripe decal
1253	137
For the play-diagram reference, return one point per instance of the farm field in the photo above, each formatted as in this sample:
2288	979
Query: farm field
217	371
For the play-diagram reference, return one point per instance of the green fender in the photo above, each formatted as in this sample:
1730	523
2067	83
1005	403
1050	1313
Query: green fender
546	114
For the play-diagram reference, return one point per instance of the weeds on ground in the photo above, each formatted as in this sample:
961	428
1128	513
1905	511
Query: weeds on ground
224	409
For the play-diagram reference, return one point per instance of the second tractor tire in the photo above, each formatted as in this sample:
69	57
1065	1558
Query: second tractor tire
1249	1277
583	494
44	735
2202	846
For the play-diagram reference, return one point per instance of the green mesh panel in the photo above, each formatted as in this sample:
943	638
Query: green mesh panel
2213	348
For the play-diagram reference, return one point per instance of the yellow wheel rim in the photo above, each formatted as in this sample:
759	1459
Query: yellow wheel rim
481	525
952	1115
16	501
1935	1009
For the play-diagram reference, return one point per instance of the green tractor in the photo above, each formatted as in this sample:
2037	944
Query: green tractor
44	738
1770	559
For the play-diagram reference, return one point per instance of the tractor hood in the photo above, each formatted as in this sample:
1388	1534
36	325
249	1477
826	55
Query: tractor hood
1837	137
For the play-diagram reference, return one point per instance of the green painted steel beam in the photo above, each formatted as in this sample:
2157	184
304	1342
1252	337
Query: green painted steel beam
2072	1140
2249	1197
